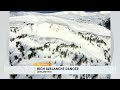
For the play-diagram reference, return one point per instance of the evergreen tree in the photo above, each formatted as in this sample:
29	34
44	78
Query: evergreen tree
15	57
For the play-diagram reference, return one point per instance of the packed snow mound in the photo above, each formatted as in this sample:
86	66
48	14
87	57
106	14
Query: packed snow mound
61	41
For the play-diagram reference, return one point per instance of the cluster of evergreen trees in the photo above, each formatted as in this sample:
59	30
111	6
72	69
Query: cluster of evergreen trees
107	56
32	54
92	38
22	36
106	23
59	76
78	60
14	29
20	47
13	76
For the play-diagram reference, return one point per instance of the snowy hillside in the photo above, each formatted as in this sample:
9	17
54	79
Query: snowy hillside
62	38
99	18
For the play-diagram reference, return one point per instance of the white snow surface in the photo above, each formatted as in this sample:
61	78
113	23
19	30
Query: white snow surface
62	38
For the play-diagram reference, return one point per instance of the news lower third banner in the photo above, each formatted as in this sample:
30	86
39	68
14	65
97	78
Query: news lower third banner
58	69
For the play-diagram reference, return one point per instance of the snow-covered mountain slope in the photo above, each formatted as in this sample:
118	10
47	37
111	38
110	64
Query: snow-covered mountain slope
99	18
59	76
56	39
